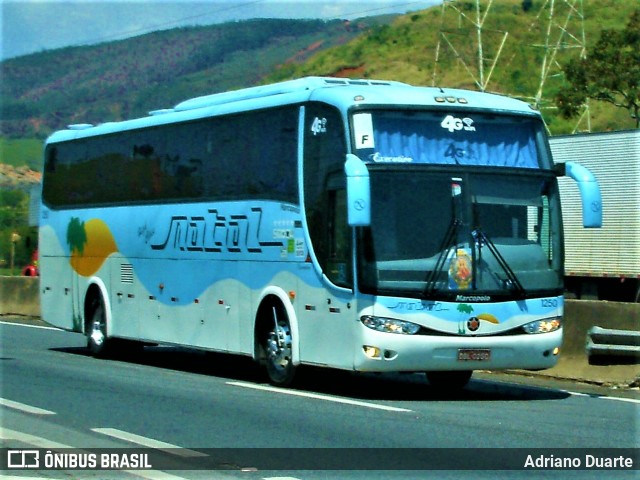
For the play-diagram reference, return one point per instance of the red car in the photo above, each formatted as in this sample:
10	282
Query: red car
31	270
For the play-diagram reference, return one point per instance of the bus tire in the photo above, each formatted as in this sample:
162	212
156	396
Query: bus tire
98	341
449	381
277	345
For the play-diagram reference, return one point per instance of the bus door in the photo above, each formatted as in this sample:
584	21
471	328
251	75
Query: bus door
329	310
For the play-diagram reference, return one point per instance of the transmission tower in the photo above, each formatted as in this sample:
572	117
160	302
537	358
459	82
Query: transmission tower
557	27
450	37
564	31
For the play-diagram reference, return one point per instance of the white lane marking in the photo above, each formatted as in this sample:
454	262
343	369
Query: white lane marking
41	327
149	442
317	396
601	397
25	408
280	478
22	478
620	399
575	394
153	475
39	442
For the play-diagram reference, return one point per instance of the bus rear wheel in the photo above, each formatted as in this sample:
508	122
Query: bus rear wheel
449	381
278	351
98	342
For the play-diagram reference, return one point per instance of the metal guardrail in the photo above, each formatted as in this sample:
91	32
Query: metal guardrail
609	346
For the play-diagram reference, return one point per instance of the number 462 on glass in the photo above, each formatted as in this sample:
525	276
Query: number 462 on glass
452	124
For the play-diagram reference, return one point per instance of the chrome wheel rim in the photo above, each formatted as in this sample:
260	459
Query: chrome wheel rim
97	333
279	347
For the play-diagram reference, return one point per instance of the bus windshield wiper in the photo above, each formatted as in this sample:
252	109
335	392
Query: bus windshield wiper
447	244
512	281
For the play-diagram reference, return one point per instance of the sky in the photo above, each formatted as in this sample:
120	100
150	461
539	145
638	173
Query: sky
28	26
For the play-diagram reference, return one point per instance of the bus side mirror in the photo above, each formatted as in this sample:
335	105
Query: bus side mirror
358	192
589	192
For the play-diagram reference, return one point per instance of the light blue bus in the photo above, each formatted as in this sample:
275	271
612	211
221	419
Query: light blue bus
354	224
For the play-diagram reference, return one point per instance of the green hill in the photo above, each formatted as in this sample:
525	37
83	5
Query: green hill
438	46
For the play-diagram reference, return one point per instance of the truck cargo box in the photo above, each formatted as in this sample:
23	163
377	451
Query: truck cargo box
609	256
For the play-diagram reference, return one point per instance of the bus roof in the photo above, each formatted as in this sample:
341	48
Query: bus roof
340	92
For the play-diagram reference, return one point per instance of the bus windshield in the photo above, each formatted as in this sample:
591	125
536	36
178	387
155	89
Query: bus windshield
448	233
457	213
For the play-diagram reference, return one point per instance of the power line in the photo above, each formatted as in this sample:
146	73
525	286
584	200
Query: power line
176	22
236	6
397	5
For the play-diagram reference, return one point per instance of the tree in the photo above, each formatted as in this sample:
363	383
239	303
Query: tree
527	5
609	73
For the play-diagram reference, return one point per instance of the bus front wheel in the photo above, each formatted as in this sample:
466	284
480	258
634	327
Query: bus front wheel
449	381
277	348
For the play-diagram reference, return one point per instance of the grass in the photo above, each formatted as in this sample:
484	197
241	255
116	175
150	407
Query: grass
21	152
6	271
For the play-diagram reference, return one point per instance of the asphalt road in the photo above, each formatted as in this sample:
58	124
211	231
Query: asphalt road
215	413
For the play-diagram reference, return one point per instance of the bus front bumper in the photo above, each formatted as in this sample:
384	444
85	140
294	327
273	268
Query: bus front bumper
387	352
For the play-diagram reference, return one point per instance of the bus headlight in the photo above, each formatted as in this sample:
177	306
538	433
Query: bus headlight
545	325
389	325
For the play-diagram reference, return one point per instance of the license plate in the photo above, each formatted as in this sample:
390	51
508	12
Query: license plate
474	355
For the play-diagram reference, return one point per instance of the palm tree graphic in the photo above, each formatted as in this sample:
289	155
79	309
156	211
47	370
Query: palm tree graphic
76	235
465	309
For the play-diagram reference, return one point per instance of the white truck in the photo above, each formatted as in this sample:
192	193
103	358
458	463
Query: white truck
603	263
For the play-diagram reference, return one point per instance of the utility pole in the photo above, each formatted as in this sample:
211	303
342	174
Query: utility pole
15	238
